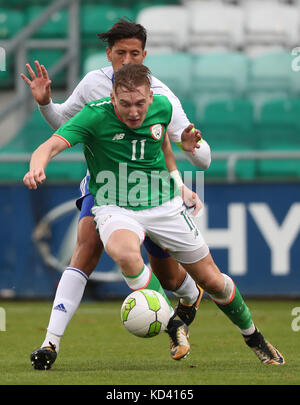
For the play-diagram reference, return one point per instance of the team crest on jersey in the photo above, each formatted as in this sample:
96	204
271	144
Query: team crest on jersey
156	131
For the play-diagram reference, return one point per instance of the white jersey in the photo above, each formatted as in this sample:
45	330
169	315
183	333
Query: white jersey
97	84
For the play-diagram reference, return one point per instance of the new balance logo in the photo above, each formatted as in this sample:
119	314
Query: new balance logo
61	307
118	137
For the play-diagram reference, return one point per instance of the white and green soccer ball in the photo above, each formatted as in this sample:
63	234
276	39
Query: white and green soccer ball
145	313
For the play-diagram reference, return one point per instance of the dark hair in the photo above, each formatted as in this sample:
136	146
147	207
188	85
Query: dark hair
131	76
124	29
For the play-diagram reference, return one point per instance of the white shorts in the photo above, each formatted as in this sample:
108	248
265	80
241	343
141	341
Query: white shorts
169	225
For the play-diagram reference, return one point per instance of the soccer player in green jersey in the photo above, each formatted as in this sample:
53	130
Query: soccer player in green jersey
126	43
122	139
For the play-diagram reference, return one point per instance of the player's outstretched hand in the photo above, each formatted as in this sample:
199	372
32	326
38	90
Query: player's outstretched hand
33	178
39	83
190	138
191	200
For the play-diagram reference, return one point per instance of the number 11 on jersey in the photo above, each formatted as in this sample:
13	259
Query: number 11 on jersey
142	152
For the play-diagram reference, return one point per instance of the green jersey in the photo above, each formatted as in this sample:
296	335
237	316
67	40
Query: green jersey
127	166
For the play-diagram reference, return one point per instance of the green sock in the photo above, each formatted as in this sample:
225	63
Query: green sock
146	279
237	311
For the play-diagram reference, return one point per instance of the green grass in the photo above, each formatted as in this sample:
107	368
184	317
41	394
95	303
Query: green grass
97	350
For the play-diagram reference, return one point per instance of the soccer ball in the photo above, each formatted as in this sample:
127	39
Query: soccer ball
145	313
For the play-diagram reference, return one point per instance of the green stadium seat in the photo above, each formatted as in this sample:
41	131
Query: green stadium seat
190	108
272	73
100	18
34	132
220	73
49	57
173	69
11	22
56	27
227	126
278	129
94	61
141	4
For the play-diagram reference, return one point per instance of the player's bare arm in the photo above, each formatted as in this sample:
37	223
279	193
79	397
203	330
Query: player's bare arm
169	156
190	198
40	159
39	83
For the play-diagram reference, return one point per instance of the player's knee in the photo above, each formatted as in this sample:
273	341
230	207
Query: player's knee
123	257
214	283
127	259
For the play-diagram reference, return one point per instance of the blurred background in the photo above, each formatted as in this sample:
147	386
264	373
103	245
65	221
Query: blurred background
235	65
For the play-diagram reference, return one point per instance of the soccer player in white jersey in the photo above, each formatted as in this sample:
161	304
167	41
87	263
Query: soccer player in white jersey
124	216
126	43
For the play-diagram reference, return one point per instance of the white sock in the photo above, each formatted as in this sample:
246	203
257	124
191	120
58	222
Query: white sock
140	281
188	291
68	296
249	331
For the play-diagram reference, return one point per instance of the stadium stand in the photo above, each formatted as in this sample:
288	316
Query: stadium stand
270	24
228	125
179	79
35	132
100	17
56	26
162	24
277	129
229	61
11	22
223	73
214	26
271	77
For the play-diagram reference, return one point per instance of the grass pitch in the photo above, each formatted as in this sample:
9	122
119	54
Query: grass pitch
98	350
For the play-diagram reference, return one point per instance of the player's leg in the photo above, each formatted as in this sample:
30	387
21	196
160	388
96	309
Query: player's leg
122	237
227	297
173	277
71	286
182	238
123	246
